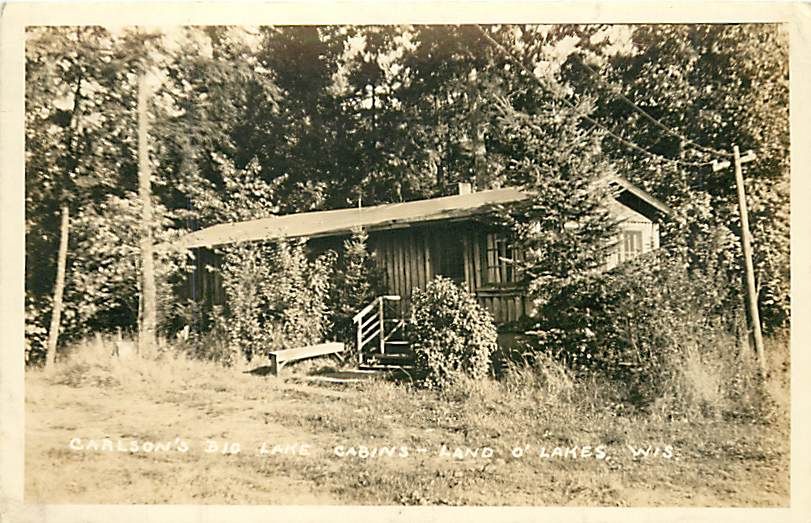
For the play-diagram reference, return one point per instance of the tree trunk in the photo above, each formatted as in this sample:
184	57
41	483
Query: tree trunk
146	337
481	178
59	288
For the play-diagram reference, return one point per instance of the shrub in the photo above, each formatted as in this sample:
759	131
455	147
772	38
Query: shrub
451	334
298	294
639	322
244	270
276	297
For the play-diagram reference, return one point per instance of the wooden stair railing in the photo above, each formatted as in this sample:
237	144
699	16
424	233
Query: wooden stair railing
371	324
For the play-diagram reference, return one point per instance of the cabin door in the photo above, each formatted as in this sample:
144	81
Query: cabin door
448	253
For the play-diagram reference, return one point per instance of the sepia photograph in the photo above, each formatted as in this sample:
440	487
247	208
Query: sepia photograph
473	264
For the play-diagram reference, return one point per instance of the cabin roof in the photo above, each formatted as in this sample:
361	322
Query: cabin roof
386	216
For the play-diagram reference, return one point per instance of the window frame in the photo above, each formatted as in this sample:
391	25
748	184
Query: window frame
500	254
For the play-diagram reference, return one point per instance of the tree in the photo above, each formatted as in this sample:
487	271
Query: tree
59	287
220	112
566	229
302	64
356	282
81	143
148	311
717	86
62	123
103	293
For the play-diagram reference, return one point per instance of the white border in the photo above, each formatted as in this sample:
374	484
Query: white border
13	19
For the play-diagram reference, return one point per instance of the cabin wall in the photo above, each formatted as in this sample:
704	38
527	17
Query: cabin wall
471	253
405	261
411	257
491	280
203	285
467	252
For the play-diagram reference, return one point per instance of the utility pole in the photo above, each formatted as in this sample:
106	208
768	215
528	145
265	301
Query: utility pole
751	293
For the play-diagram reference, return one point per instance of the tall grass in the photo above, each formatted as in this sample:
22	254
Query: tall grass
92	363
709	373
710	378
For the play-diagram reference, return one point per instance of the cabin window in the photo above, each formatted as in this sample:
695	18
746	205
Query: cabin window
631	245
502	254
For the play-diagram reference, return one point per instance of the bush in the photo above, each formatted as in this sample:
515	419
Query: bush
276	297
451	334
643	323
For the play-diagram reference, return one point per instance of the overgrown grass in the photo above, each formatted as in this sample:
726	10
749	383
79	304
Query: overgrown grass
90	395
720	378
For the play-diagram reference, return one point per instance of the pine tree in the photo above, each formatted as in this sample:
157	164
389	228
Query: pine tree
566	229
356	283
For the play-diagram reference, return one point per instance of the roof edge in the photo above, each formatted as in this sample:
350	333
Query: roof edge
191	241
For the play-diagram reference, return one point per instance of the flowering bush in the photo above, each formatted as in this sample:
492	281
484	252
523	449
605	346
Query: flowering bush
451	334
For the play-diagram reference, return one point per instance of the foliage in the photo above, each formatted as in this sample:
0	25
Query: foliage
277	298
397	113
217	115
36	334
718	85
355	283
637	322
299	291
104	289
451	334
81	143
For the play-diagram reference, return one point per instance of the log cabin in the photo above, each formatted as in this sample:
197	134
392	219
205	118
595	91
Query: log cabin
415	241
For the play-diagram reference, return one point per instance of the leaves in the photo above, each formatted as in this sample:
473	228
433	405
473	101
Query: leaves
253	122
451	333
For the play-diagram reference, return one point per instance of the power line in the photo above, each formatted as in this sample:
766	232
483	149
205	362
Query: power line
588	118
617	91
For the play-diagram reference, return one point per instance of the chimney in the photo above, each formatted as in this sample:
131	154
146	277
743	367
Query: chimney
465	188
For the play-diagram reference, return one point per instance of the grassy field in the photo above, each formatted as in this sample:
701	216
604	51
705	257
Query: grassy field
375	442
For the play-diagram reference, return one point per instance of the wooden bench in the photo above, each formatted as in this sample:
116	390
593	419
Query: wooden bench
280	358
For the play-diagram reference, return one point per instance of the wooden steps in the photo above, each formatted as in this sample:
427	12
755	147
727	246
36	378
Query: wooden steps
342	376
388	361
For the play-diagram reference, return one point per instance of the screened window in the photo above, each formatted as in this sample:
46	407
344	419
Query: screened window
631	245
501	255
